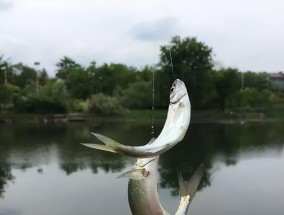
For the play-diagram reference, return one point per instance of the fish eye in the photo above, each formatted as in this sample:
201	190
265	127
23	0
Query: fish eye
172	89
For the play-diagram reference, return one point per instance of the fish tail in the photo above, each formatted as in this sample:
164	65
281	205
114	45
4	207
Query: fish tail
190	186
188	189
110	144
100	147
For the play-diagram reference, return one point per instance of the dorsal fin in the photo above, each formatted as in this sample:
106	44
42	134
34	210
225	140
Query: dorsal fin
135	174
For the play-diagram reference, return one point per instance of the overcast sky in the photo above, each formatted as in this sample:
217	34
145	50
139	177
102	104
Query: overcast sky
246	34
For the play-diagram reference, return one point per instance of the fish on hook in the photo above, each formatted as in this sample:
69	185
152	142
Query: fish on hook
143	190
175	127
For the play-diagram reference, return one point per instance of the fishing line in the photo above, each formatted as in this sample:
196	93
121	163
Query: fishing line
166	15
153	80
171	63
153	104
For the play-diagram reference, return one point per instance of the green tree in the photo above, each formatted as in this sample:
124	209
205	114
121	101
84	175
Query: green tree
104	105
227	84
248	98
79	83
255	80
137	95
43	77
3	65
52	98
7	94
54	90
146	73
64	66
108	77
24	75
192	63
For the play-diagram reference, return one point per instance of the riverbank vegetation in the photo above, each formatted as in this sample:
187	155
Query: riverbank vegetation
113	88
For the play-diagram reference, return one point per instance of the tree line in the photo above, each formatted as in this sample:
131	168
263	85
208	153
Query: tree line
112	88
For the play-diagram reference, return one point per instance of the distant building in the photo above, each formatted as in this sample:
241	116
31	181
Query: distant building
276	77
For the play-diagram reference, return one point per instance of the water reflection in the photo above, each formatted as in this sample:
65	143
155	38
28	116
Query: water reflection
30	150
5	175
209	143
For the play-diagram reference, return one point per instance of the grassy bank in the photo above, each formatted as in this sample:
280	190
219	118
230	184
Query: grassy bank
273	114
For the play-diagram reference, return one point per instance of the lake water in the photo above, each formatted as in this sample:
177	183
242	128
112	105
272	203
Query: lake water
44	170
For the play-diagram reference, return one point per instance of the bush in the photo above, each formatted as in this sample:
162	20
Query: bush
52	98
137	95
7	93
39	106
104	105
251	99
78	106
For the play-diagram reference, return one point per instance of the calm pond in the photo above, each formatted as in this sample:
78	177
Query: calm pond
44	170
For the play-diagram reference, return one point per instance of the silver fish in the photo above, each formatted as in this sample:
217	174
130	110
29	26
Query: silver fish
143	190
174	129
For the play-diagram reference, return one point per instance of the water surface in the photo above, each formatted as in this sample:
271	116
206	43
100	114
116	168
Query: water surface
44	169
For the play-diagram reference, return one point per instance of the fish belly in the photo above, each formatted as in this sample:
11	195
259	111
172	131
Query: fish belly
142	199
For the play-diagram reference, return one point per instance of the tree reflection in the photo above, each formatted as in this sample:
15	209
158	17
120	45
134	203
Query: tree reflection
5	166
27	146
5	176
76	157
70	166
32	145
114	164
207	143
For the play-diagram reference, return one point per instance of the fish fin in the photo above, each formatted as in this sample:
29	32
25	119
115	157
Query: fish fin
190	187
108	141
100	147
135	174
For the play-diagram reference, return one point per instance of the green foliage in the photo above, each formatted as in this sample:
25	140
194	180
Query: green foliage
8	93
64	66
137	95
106	89
26	75
52	98
227	84
258	81
4	66
146	73
38	105
251	98
108	77
54	90
78	106
104	105
43	77
79	83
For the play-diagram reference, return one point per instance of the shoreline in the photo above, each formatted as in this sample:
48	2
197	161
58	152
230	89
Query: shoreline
209	116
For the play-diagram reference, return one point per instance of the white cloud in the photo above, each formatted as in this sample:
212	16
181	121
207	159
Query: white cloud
154	30
245	34
5	5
